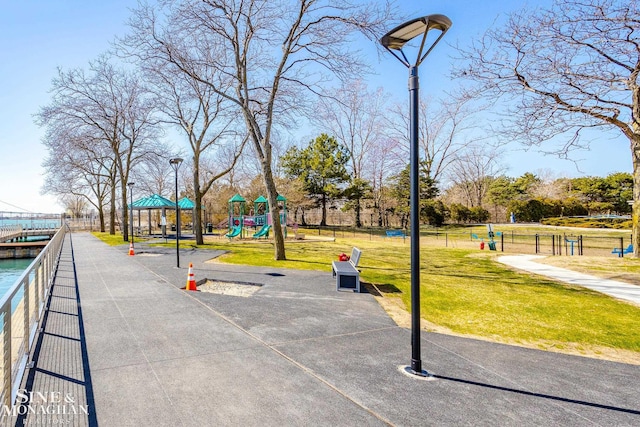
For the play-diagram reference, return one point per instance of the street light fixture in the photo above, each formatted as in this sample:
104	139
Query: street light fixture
175	164
394	41
130	185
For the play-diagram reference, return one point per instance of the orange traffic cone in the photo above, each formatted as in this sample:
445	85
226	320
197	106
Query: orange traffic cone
191	281
131	249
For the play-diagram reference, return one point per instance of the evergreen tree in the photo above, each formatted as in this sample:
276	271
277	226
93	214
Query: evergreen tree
322	168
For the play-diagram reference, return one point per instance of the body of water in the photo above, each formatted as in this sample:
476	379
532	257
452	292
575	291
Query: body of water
10	271
31	223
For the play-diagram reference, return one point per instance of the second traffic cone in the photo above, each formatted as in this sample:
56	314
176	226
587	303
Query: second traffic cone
191	281
131	249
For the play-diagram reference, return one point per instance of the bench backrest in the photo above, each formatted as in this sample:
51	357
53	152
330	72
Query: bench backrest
355	256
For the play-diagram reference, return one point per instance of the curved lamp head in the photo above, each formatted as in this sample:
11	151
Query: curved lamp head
175	162
402	34
130	184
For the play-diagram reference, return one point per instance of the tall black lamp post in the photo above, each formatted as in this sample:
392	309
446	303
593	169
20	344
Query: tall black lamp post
175	164
394	41
130	185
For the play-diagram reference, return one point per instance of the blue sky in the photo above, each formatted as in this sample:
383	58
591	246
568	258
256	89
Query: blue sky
37	36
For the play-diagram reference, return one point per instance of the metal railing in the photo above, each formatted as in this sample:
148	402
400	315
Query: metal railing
9	231
20	311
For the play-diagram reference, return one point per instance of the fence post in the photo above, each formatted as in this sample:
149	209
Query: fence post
537	243
446	240
553	244
622	247
26	302
559	245
7	382
580	245
502	242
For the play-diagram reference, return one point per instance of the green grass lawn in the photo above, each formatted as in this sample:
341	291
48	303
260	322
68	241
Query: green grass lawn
465	291
115	239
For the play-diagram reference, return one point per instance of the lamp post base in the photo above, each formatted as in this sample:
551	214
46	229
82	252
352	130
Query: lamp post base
418	375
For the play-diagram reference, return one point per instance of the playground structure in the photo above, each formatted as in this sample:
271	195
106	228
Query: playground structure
261	217
491	235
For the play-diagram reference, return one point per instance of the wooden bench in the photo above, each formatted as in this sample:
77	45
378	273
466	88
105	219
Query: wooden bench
621	253
346	274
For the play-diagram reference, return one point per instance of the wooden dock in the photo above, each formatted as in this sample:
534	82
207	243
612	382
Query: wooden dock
14	243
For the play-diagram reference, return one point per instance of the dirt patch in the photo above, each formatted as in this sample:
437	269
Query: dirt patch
394	306
237	289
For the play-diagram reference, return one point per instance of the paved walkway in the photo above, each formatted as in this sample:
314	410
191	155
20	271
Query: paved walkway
138	351
614	288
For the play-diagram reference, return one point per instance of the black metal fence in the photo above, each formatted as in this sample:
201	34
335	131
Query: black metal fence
552	243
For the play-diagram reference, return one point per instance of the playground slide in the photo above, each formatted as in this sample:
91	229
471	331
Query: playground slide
263	231
234	231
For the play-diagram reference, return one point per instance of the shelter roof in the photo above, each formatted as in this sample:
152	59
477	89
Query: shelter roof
237	198
186	203
154	201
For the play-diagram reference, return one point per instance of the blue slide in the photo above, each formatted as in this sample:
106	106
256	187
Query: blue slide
264	231
234	231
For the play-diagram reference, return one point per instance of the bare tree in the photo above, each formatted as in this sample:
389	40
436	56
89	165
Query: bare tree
206	119
153	174
113	106
444	131
563	71
354	115
270	55
471	172
77	204
75	168
384	162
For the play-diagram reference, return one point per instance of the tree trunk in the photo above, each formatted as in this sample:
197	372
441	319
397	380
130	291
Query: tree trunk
272	195
358	210
635	233
101	218
323	220
197	221
112	213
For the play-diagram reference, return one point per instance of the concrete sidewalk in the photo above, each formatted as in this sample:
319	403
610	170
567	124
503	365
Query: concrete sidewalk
613	288
297	353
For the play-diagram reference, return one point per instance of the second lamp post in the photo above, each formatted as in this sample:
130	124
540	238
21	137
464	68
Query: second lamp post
130	185
175	164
